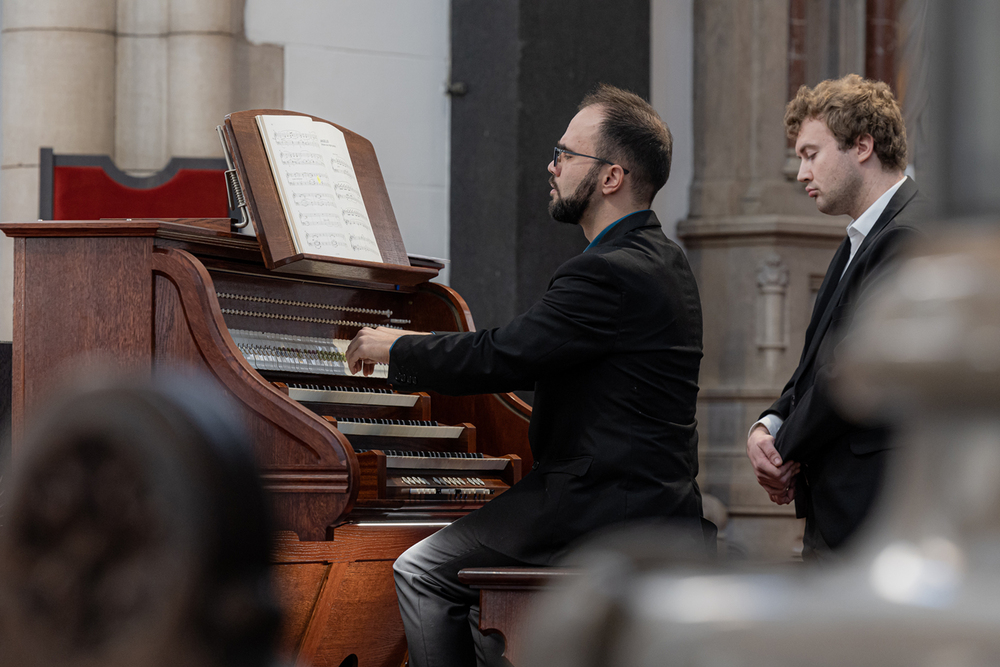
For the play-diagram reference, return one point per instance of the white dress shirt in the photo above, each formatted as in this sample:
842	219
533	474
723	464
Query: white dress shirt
856	232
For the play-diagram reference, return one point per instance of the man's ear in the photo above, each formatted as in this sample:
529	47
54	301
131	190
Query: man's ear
614	180
865	147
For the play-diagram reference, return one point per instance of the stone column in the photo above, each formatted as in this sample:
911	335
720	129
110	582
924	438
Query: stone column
141	92
200	91
758	247
58	90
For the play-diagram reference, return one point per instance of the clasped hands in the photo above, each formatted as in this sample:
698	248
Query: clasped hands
775	475
372	346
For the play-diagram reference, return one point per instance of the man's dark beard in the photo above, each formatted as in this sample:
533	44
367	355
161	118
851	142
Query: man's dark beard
571	209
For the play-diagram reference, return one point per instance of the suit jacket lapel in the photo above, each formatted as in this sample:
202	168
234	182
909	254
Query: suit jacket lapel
902	197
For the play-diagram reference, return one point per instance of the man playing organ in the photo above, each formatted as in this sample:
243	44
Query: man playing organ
612	351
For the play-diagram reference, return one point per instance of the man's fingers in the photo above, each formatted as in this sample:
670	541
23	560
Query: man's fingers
789	465
353	353
764	469
783	497
788	475
766	446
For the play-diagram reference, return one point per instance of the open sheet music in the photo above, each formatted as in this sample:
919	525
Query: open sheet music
318	188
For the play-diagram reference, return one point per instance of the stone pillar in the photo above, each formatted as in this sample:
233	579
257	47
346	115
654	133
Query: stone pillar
758	247
58	89
141	92
200	47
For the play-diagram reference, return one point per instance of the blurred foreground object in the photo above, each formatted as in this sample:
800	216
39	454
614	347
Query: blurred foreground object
134	533
923	585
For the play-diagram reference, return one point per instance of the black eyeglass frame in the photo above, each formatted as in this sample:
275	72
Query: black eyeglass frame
556	152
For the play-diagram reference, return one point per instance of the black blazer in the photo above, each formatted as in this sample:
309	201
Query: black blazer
842	462
612	351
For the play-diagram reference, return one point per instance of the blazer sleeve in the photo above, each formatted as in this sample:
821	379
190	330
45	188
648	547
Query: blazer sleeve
783	405
815	421
576	320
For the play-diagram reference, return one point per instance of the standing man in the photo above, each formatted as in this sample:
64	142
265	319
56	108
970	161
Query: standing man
612	351
851	142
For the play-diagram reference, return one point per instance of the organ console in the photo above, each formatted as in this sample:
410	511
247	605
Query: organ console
357	472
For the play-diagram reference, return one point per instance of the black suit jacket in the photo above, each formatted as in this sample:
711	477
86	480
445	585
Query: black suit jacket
842	462
612	351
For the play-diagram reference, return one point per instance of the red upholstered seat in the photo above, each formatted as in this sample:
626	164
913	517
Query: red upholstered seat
90	187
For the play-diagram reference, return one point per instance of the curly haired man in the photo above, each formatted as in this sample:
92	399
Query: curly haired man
851	143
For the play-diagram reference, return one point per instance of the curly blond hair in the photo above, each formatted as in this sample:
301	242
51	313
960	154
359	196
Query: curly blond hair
853	107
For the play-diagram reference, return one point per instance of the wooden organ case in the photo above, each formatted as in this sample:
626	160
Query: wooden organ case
356	472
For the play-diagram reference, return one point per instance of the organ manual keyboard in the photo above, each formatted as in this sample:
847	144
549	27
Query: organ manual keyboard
357	472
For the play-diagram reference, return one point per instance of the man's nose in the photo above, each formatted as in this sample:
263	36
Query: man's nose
552	167
804	175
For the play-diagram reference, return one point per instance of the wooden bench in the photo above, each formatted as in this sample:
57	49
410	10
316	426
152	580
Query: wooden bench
506	595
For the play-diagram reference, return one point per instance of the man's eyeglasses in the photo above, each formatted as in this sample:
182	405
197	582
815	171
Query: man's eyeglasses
557	154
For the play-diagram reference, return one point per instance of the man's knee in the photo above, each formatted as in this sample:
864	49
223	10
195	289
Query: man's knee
410	563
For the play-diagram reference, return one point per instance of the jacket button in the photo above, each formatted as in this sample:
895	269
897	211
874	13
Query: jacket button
534	465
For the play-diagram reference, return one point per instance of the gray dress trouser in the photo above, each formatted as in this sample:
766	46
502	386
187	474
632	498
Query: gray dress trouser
441	615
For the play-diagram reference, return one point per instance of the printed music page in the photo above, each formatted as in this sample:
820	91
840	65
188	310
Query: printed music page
318	188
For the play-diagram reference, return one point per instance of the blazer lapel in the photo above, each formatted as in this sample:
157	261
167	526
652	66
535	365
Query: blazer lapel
830	283
902	197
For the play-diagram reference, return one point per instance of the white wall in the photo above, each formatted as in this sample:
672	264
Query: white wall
671	71
378	67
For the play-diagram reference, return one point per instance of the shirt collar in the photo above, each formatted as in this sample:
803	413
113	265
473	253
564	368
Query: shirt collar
858	229
597	239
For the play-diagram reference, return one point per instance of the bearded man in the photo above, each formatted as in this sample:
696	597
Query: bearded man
612	351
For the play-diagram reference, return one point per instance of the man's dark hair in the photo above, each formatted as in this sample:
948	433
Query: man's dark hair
633	135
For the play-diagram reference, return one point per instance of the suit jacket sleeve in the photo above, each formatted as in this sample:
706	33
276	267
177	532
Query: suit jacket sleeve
575	320
813	422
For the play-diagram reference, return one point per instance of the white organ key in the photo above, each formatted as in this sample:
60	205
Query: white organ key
399	430
297	354
345	396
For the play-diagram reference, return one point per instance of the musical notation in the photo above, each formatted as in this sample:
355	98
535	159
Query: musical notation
320	193
295	138
316	178
340	167
300	158
359	243
310	219
326	241
310	199
346	191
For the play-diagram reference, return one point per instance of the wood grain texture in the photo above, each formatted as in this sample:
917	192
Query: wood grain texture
506	596
80	228
297	587
504	612
515	578
85	307
340	596
352	542
17	414
309	468
316	627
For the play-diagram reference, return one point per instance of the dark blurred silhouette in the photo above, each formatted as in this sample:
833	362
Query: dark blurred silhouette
135	532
